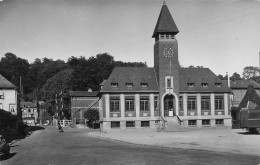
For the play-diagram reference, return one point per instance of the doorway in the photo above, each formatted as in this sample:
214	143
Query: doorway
169	105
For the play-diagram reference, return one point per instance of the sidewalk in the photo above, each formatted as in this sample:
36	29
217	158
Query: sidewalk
235	141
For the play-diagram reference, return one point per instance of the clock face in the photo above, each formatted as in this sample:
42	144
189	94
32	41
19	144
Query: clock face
168	52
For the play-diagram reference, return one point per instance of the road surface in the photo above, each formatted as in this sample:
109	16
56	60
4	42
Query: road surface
48	147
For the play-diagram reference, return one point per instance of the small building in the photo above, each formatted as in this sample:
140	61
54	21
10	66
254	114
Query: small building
239	88
81	101
29	112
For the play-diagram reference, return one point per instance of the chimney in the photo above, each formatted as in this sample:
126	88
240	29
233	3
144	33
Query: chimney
228	79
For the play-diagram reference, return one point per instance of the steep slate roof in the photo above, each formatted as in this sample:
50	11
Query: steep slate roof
5	84
243	84
27	104
165	22
84	93
199	76
135	75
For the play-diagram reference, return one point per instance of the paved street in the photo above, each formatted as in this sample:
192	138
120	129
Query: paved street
48	147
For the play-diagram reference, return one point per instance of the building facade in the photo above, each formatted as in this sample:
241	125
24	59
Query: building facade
29	112
8	106
81	101
166	95
8	96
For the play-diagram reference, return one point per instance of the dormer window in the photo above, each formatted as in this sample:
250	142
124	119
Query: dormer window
191	84
114	85
144	85
218	85
204	85
129	85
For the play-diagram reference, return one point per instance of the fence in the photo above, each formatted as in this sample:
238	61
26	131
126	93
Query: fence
65	123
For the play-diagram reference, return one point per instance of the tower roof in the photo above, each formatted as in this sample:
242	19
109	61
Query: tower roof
165	22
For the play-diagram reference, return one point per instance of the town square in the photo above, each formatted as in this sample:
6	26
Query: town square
184	92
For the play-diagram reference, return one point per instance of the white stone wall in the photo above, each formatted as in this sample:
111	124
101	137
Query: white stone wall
9	100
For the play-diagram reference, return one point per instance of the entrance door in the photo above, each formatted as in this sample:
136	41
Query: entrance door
169	104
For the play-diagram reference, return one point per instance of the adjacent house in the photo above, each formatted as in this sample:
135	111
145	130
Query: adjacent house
29	112
81	101
8	105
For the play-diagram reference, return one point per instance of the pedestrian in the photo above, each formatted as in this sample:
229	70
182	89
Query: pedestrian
59	127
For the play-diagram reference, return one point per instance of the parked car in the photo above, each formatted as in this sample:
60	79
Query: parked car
4	147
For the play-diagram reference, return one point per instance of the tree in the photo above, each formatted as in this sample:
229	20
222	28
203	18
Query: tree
56	93
235	76
250	72
89	73
13	67
40	71
222	77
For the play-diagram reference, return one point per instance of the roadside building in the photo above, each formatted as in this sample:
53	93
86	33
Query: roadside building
166	95
29	112
81	101
8	105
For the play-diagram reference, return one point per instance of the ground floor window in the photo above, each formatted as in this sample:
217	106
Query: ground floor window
219	121
130	124
205	122
192	122
114	104
144	102
115	124
219	103
205	103
192	103
145	123
129	105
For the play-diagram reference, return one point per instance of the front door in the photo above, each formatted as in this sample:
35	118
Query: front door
169	104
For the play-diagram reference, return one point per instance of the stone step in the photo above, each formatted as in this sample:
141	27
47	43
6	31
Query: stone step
173	125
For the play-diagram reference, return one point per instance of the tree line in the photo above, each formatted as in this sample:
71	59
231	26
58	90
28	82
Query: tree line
51	80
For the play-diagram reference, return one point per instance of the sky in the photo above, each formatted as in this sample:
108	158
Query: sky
223	35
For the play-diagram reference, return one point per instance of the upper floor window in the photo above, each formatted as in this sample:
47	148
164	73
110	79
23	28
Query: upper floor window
169	82
204	85
144	85
218	85
114	104
12	108
219	102
129	85
144	102
191	84
114	84
192	103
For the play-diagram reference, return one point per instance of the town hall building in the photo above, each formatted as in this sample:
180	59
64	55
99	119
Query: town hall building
166	95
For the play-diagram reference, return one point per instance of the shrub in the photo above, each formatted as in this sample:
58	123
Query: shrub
92	115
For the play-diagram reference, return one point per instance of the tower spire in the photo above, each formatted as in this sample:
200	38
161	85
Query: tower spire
165	22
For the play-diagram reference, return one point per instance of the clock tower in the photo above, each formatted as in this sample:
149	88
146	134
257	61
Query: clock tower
166	62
